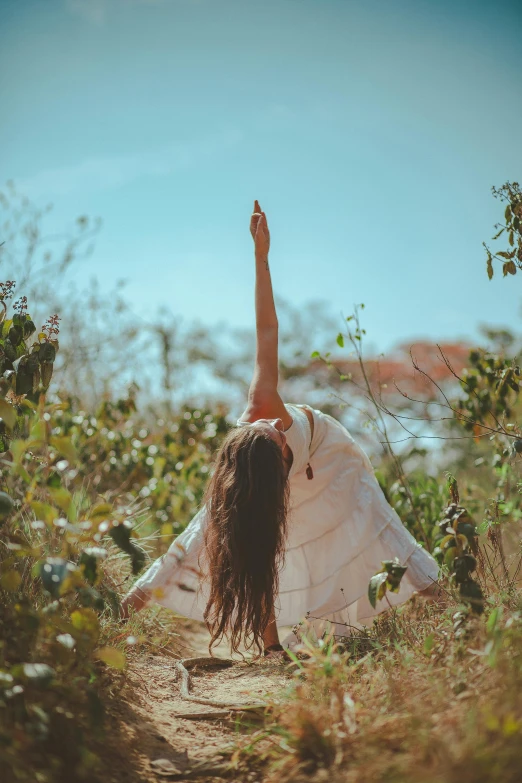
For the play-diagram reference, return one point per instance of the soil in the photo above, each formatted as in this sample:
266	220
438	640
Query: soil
154	742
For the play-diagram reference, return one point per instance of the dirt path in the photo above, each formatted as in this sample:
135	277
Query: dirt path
154	742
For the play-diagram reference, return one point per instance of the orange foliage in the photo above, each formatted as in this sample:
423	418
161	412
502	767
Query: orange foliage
397	368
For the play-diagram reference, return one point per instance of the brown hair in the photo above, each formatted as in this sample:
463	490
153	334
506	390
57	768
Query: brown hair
247	502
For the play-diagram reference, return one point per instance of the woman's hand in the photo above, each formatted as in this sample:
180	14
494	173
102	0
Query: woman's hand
260	232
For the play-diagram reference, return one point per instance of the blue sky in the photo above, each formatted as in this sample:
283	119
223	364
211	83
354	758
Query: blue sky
371	132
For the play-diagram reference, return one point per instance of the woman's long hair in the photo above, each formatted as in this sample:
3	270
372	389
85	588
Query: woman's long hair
247	502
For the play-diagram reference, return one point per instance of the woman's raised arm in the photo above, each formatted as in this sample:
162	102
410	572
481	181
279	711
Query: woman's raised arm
264	401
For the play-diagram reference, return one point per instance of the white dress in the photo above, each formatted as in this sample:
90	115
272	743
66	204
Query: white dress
340	528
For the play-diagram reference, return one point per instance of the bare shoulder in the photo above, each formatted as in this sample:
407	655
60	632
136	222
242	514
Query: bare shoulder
266	406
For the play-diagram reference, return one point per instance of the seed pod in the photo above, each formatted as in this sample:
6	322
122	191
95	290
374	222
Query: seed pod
24	381
47	352
467	529
15	335
36	380
31	362
5	364
29	328
472	592
461	569
10	350
46	369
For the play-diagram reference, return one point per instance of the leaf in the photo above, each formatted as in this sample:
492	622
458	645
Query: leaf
64	447
53	571
503	254
492	620
315	355
111	656
8	413
490	269
511	239
340	340
89	560
44	511
429	643
10	581
377	588
453	487
6	508
38	432
18	449
86	624
507	213
61	497
450	555
120	534
100	511
39	674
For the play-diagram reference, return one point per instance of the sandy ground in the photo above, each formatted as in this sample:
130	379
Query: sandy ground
154	742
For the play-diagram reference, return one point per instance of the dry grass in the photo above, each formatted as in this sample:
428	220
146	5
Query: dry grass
421	707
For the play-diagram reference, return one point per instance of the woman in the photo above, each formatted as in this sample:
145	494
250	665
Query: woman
294	521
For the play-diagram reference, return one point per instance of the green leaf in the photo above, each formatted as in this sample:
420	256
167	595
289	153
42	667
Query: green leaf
315	355
111	656
61	497
100	511
44	511
377	588
446	540
64	447
10	581
450	555
340	340
429	643
86	625
8	413
492	620
38	432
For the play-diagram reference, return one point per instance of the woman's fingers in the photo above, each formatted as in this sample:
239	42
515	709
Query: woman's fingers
262	236
254	220
263	225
